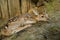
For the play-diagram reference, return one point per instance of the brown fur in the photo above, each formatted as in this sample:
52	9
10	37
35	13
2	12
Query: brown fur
25	21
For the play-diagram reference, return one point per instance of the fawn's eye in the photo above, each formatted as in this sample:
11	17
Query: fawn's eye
42	16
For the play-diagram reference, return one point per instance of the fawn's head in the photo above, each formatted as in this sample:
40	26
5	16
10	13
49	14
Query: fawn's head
40	16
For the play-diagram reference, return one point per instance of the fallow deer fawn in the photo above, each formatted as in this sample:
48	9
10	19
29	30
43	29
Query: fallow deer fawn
32	16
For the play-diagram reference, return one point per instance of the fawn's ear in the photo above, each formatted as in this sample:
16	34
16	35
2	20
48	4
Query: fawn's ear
35	12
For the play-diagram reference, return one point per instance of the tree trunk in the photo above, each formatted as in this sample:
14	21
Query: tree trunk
24	6
3	4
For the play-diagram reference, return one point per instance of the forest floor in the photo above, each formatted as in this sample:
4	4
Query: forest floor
43	30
